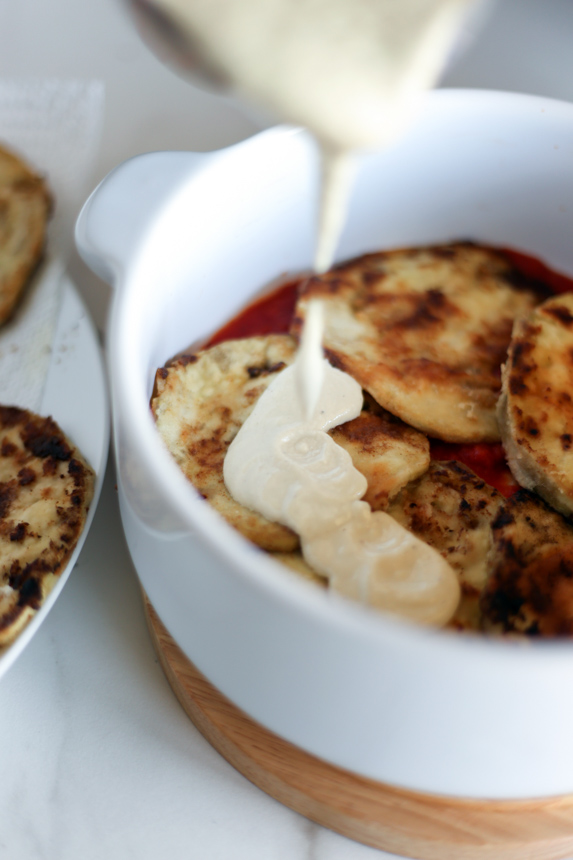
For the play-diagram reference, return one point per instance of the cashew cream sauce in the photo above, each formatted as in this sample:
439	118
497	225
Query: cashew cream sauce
283	464
352	72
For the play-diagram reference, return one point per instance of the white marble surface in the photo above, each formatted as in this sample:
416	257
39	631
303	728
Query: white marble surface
97	758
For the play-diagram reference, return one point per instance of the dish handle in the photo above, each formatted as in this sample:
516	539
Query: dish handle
115	216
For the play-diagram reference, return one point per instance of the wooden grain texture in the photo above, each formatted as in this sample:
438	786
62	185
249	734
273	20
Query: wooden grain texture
402	822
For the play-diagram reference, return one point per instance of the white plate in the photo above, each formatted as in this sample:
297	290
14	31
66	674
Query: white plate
76	397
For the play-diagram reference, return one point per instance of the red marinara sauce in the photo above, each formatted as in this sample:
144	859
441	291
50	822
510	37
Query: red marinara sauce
272	314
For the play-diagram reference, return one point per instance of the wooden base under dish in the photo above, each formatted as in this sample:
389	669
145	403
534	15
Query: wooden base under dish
401	822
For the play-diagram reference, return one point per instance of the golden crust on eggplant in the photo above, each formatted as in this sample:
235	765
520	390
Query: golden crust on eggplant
424	331
451	509
536	407
296	563
387	452
201	401
530	584
199	404
25	206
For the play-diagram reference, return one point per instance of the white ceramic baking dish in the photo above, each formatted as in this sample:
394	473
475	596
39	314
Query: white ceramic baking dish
188	239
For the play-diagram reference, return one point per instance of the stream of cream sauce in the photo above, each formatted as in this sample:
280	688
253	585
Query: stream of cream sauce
353	73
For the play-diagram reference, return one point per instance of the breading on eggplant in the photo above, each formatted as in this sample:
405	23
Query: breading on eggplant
387	452
530	583
201	401
46	488
451	509
536	407
199	404
25	206
424	331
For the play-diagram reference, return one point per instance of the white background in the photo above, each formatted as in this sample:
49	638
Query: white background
97	759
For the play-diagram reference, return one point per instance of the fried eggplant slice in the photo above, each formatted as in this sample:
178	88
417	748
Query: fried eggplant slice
25	207
46	488
451	509
424	331
201	401
530	584
535	409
